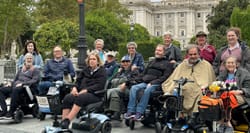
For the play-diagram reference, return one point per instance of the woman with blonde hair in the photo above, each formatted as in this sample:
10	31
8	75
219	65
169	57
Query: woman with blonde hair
91	79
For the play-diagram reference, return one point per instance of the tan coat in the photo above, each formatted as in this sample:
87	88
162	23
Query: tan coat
202	75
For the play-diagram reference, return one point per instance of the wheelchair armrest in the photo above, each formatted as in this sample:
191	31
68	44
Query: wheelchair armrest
29	92
100	92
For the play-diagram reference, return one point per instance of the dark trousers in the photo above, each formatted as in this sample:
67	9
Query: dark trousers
81	100
14	94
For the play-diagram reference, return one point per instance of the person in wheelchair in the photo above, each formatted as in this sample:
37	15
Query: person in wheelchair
91	80
27	76
240	79
55	69
120	85
193	68
155	73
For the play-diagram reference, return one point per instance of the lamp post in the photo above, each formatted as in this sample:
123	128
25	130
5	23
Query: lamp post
131	32
82	47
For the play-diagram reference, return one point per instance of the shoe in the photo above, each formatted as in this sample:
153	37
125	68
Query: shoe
65	124
138	116
116	116
128	115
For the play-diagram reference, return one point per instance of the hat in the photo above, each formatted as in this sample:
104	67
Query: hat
201	33
125	58
111	53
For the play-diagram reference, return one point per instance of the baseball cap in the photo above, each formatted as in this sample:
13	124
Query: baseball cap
201	33
125	58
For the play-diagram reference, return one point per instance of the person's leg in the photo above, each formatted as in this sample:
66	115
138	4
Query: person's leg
43	87
67	104
132	96
141	107
15	98
114	99
4	93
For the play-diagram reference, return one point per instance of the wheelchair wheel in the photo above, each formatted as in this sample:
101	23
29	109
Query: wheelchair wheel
18	116
158	127
127	122
131	124
166	130
41	116
189	131
106	127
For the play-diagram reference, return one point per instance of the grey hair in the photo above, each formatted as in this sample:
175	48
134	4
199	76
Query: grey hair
28	55
99	40
131	44
168	33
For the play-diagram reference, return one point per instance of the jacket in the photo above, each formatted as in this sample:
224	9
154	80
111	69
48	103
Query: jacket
138	61
173	53
245	55
54	70
242	80
91	81
37	61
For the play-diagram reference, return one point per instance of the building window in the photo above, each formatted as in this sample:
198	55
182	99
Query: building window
182	32
169	4
198	15
169	15
158	16
158	33
182	14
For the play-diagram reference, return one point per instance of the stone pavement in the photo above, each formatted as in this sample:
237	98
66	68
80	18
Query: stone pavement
32	125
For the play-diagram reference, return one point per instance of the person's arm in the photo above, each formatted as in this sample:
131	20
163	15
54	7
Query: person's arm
71	69
167	72
39	62
35	78
100	80
20	62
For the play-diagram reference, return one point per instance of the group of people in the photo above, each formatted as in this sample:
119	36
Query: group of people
202	64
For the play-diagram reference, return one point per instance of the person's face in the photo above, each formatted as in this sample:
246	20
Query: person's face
131	49
159	52
232	38
230	64
201	40
28	61
30	47
98	46
167	39
125	64
193	55
57	52
110	58
93	62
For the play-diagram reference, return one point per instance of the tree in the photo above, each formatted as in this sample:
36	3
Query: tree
220	20
59	32
15	21
241	18
139	33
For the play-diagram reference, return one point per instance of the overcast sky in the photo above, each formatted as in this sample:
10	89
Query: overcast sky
155	0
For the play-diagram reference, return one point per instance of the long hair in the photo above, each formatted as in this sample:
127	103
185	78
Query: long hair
27	43
99	62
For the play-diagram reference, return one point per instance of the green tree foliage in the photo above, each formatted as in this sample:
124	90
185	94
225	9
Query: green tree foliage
241	18
14	21
220	21
139	33
59	32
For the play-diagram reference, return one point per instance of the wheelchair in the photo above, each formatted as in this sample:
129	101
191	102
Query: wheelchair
27	105
153	115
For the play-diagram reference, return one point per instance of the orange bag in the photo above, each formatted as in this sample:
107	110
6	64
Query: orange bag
233	101
210	108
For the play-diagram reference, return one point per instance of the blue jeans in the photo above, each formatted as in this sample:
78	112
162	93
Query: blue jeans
43	87
141	106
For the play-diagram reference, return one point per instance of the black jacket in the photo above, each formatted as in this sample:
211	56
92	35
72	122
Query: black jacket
92	82
157	71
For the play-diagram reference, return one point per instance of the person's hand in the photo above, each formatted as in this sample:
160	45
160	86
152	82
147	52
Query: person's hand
237	92
173	61
74	91
149	84
120	69
122	86
19	84
83	91
133	67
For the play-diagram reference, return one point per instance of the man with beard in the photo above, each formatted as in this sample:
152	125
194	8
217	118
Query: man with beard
27	76
157	70
193	68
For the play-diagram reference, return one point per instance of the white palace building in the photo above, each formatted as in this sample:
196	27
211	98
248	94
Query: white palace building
184	18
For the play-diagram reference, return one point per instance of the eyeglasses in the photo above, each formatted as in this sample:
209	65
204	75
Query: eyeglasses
192	54
125	61
131	47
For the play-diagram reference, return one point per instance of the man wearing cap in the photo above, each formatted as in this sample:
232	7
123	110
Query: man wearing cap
120	84
207	51
137	61
172	53
110	64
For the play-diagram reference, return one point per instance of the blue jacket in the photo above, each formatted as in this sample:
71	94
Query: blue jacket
111	68
138	61
37	61
54	70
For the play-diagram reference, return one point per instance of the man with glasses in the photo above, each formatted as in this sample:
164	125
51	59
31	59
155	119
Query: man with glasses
137	61
55	69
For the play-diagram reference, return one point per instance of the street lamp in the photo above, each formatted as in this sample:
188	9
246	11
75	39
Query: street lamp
132	26
82	47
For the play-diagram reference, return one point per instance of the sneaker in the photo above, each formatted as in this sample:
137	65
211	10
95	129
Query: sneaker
116	116
128	115
65	124
138	116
